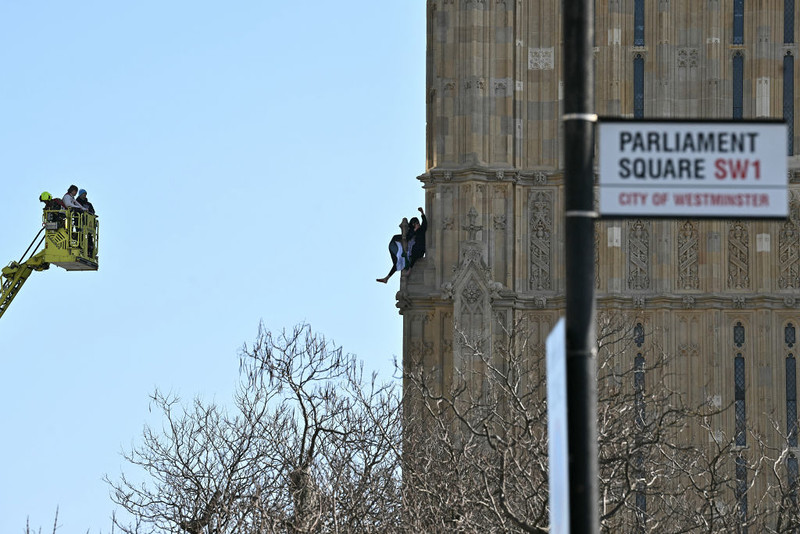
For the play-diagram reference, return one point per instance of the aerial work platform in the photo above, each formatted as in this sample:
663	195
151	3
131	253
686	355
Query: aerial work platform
71	239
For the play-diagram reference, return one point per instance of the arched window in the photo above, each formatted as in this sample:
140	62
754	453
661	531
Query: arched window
639	419
788	100
738	85
738	21
638	23
789	339
638	86
740	436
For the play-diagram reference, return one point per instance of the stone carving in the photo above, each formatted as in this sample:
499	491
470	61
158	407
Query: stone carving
788	256
447	346
789	302
500	89
447	223
540	58
738	256
499	175
540	178
472	309
688	245
541	244
499	222
472	228
638	303
472	292
419	350
789	250
738	302
638	255
448	175
688	302
687	57
689	350
477	83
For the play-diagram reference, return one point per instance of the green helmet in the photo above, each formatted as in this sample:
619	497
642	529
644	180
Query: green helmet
44	197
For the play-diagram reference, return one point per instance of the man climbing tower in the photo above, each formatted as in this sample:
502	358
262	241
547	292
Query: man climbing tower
406	248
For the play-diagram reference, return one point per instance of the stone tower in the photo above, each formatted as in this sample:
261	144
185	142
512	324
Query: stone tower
719	296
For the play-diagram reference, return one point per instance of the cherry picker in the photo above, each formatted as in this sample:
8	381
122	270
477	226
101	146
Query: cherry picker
70	241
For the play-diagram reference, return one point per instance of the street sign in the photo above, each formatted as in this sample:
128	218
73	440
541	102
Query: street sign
722	169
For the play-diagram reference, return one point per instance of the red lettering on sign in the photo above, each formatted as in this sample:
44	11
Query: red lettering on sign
737	169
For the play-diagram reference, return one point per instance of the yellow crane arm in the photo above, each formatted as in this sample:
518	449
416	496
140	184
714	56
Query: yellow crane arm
15	275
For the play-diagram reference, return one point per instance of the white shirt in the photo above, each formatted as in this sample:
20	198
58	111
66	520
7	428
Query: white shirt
71	203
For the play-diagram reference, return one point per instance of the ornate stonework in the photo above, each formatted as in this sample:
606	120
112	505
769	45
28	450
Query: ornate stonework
540	58
789	249
738	256
638	255
541	229
494	194
688	243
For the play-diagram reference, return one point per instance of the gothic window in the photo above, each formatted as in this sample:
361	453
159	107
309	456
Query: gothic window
741	491
738	21
738	377
791	400
638	335
738	84
638	386
638	86
738	334
638	23
788	100
740	436
639	408
789	339
788	21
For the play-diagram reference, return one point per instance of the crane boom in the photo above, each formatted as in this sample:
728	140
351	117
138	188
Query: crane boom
15	275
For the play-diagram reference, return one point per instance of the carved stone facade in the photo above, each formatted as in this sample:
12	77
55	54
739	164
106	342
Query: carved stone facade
494	193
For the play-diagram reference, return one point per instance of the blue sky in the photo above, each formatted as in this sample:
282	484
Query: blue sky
249	161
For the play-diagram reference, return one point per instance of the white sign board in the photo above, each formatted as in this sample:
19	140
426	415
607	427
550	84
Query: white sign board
557	428
735	169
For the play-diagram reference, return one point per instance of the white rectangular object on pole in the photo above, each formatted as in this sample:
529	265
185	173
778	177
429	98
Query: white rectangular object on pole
693	169
557	444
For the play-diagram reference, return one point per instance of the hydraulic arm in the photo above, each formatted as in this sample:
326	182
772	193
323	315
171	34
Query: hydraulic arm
15	275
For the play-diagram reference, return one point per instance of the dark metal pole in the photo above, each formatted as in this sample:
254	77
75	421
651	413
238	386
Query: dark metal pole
579	120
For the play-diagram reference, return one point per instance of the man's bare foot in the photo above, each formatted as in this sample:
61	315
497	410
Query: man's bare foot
381	280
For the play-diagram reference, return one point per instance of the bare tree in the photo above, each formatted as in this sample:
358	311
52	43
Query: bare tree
663	466
309	446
